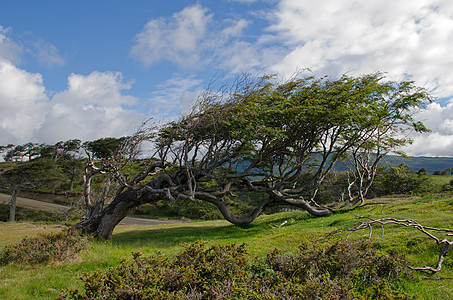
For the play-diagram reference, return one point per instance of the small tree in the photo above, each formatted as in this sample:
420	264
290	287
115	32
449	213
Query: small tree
399	180
105	148
32	174
422	171
16	153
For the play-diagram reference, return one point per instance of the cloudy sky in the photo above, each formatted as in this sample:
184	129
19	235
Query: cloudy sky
91	69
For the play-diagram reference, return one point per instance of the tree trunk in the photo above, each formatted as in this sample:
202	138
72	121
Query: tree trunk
12	204
314	211
102	224
71	183
228	215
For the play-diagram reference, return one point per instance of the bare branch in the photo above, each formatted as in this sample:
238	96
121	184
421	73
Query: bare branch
405	223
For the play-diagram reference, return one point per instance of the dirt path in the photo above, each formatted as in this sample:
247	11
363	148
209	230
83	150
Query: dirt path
52	207
35	204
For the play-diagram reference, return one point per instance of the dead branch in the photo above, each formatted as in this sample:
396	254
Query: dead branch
282	224
442	255
407	223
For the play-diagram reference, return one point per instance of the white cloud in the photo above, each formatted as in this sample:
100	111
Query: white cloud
438	142
407	39
23	97
97	88
46	53
173	97
402	37
9	50
433	144
93	106
175	39
236	29
193	38
22	103
187	101
244	1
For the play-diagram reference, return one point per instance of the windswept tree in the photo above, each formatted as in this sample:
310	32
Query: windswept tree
15	153
105	148
263	142
6	148
29	174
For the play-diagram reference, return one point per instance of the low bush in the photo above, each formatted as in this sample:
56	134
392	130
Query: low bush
45	248
337	271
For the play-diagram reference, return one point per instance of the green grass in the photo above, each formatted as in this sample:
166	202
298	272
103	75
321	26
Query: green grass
440	179
45	281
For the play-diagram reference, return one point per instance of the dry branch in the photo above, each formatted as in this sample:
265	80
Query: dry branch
282	224
407	223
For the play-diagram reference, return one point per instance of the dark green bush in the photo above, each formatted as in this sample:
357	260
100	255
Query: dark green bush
337	271
45	248
399	180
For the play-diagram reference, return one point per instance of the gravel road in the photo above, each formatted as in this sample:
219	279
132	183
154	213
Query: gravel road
52	207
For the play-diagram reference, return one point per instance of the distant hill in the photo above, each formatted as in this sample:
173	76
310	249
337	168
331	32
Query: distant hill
414	164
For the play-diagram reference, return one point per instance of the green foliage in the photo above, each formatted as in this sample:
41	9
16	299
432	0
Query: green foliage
389	181
422	171
184	208
427	199
398	180
339	270
105	147
45	248
32	172
29	151
446	171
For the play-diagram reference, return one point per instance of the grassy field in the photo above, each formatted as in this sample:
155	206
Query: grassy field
45	281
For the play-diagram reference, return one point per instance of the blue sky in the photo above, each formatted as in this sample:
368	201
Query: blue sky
91	69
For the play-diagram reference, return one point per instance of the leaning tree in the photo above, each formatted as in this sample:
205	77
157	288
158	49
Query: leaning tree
258	141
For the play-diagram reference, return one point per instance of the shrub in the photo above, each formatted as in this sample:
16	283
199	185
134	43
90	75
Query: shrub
45	248
337	271
398	180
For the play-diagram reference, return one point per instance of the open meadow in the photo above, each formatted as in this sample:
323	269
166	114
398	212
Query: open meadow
44	281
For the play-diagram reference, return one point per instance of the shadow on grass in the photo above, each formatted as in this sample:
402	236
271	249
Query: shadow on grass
174	236
169	237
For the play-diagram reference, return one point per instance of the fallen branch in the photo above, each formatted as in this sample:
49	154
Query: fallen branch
284	223
407	223
442	255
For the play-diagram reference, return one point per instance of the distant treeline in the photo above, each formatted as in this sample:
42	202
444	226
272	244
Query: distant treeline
431	164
